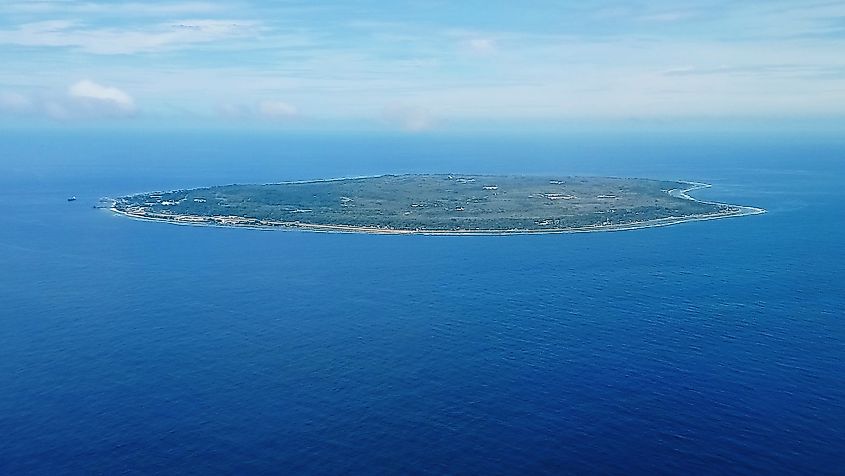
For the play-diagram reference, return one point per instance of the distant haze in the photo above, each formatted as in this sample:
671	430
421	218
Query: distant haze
418	66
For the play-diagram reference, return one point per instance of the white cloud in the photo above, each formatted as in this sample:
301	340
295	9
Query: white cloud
57	111
234	111
475	41
112	41
11	102
102	97
271	109
481	45
80	101
667	17
129	8
784	61
409	118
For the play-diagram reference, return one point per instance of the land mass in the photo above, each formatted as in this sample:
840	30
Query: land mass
436	204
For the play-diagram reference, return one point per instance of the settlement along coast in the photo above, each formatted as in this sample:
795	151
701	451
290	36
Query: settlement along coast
437	204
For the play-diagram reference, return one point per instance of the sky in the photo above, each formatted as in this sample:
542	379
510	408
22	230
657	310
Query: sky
416	66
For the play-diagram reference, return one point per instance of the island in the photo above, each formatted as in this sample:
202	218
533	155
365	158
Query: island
436	204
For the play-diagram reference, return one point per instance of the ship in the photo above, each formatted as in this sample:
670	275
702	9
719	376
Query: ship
71	199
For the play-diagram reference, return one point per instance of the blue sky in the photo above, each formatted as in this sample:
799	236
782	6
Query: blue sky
419	65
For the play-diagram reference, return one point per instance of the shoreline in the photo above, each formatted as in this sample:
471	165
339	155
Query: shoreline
220	222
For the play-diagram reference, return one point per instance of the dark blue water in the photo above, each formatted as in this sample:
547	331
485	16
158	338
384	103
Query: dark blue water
129	347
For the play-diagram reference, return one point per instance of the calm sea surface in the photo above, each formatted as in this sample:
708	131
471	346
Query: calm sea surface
129	347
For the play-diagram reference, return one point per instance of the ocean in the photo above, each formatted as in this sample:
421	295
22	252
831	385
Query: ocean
130	347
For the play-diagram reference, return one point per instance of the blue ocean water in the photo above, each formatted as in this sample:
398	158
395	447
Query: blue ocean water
129	347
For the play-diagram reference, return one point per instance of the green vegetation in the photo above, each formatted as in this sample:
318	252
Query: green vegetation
431	203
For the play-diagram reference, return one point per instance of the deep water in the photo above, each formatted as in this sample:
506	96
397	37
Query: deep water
131	347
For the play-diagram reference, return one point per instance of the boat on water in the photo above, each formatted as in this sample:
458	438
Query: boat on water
71	199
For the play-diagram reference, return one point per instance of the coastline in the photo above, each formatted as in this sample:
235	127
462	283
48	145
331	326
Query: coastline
232	221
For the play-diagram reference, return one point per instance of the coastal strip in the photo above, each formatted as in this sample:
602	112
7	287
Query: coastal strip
730	211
